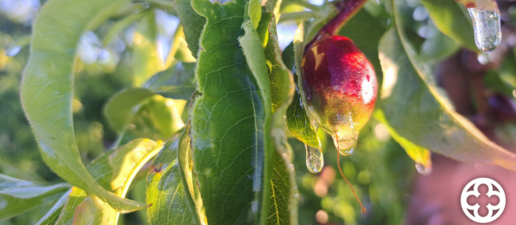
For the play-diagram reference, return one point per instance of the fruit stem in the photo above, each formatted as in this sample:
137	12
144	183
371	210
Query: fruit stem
349	184
347	9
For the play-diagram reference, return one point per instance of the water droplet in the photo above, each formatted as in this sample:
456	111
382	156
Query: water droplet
486	26
423	170
345	144
314	159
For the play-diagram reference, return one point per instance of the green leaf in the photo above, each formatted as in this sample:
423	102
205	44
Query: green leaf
228	118
169	183
83	209
283	201
437	48
452	21
255	56
417	110
283	206
281	80
297	121
193	24
18	196
419	154
142	113
120	109
53	214
493	81
299	125
180	50
507	71
289	58
121	24
177	82
146	55
114	170
75	198
159	118
47	88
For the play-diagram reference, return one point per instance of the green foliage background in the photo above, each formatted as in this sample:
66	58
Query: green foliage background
380	169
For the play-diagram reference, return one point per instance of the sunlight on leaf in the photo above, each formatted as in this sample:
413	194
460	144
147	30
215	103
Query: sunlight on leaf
147	56
193	24
48	83
170	185
114	170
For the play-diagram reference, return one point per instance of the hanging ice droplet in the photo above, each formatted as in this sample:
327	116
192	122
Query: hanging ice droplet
314	159
345	145
486	26
423	170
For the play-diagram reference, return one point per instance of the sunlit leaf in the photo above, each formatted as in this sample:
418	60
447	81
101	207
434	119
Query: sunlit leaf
193	24
121	24
168	189
228	118
159	118
18	196
114	170
141	113
47	88
147	56
180	50
121	108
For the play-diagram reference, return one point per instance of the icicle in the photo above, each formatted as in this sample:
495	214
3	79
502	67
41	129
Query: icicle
486	27
314	159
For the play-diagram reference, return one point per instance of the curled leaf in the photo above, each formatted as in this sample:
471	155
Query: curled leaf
48	83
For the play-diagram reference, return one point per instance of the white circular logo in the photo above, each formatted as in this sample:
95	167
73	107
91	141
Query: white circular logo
493	189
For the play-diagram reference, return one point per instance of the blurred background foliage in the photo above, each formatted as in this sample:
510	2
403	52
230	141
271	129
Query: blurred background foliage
380	170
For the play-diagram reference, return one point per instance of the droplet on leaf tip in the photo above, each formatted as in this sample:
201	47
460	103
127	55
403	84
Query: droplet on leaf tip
314	159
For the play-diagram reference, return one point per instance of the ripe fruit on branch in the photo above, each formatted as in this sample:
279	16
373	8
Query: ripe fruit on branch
340	88
339	84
